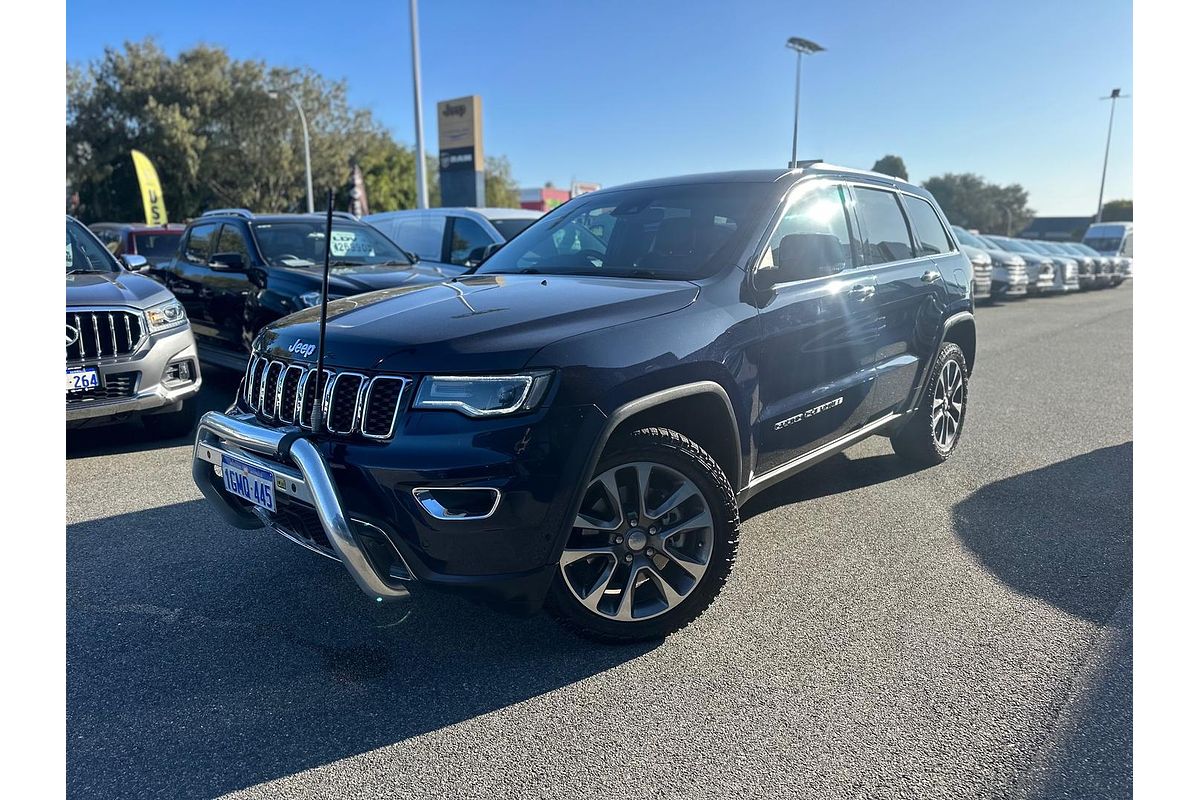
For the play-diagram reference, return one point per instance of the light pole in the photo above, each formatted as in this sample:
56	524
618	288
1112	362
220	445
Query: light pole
1113	97
274	94
802	47
422	186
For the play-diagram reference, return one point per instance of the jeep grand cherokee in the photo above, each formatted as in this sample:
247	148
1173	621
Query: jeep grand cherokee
576	422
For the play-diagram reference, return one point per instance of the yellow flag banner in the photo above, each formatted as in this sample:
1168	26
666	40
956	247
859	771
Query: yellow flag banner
152	199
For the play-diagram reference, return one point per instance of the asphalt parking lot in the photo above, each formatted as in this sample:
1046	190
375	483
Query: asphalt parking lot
962	631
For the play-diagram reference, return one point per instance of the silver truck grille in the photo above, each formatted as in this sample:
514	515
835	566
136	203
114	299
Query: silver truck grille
353	403
94	335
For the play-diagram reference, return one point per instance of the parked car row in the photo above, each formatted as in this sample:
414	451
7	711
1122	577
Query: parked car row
1023	267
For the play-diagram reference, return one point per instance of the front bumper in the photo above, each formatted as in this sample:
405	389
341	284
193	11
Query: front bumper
150	393
363	511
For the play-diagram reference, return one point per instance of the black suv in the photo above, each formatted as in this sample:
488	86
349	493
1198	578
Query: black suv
236	271
578	420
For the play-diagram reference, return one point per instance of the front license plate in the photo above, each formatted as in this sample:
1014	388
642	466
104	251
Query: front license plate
80	380
249	482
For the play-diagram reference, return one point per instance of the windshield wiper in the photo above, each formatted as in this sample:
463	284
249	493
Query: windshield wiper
74	271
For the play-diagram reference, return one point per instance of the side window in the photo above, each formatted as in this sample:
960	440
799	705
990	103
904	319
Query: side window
932	238
813	238
467	240
199	244
1127	245
420	234
231	240
883	226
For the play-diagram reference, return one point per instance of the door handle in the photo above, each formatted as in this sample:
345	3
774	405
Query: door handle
861	291
930	275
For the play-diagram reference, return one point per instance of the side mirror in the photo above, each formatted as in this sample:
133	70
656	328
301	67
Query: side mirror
413	257
482	254
227	262
135	263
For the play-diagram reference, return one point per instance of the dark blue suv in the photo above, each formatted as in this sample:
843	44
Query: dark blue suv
576	422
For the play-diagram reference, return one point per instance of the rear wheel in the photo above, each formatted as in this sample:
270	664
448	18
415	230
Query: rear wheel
652	543
932	433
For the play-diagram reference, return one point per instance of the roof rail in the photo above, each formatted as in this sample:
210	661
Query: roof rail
237	212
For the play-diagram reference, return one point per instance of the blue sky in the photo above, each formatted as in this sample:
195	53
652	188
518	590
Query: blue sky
620	90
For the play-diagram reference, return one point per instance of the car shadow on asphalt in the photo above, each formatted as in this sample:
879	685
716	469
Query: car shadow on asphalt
834	475
216	393
1063	534
202	659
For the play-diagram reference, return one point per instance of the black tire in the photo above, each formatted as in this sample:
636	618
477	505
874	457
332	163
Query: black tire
173	425
921	441
680	454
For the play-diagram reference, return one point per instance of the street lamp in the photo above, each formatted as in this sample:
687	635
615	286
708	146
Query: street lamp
274	95
1113	97
802	47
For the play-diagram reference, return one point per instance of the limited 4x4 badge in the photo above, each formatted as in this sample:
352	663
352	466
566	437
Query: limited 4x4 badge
812	412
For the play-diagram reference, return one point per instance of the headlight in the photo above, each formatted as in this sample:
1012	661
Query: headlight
166	315
483	395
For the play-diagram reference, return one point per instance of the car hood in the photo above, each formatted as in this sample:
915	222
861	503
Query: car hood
356	280
114	289
476	324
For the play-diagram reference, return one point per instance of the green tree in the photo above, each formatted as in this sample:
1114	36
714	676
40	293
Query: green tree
891	165
1118	211
972	202
218	137
499	186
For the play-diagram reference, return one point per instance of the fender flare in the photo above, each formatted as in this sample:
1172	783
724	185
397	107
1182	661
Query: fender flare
661	397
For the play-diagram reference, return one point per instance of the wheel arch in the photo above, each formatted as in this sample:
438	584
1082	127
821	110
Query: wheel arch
701	411
960	329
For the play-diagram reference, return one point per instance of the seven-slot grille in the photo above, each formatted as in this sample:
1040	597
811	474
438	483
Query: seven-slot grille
102	334
353	403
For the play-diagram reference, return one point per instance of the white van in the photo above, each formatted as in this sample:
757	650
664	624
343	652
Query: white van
1110	238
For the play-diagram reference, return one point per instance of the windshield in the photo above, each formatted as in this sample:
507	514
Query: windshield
1105	244
157	245
1037	247
301	243
970	239
1083	248
85	254
1011	245
676	231
512	226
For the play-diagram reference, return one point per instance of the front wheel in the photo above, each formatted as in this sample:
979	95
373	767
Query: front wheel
930	436
652	543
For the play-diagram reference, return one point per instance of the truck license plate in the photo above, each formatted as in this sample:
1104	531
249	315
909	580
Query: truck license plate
80	380
249	482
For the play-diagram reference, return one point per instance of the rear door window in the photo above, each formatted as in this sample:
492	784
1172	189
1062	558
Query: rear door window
884	229
932	239
199	243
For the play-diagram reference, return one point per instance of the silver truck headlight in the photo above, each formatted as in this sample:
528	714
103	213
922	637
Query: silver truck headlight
166	315
483	395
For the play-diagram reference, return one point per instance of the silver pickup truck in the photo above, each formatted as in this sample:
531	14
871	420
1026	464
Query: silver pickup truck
130	351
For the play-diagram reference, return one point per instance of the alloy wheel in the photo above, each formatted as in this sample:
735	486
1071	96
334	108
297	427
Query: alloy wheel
640	544
949	399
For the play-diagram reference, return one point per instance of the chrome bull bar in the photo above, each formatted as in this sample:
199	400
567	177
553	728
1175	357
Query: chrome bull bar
309	482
